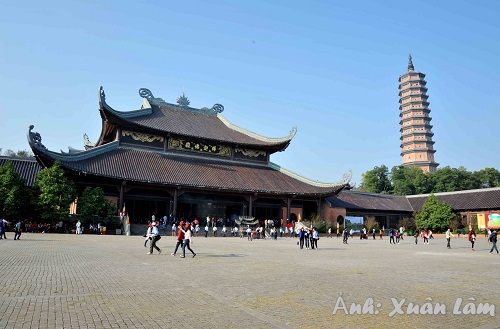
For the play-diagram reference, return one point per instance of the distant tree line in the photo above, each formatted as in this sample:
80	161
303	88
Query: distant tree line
50	197
18	154
402	180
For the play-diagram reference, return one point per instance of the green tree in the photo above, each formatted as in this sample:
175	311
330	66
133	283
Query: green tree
488	177
93	203
410	181
377	181
434	215
56	193
15	196
448	179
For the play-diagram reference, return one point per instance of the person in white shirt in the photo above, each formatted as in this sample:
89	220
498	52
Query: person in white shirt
78	227
187	241
215	230
154	234
448	238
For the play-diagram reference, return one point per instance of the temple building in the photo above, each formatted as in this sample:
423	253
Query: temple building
417	146
175	160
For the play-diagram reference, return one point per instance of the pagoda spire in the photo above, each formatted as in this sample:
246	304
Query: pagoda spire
410	64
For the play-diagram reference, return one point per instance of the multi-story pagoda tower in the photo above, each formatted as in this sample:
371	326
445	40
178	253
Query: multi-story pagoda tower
416	129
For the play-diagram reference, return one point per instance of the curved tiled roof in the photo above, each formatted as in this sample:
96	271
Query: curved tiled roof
370	201
197	123
26	168
174	169
475	200
190	171
486	199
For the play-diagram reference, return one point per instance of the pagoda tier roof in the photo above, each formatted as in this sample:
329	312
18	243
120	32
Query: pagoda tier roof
178	170
160	117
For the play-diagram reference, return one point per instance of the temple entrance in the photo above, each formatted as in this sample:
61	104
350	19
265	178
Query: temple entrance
141	210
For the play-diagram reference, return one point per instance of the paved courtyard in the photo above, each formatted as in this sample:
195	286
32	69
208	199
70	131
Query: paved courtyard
90	281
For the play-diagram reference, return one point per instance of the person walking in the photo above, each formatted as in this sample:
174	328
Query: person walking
448	235
180	238
78	227
187	241
301	237
425	236
206	230
345	236
249	233
391	237
374	233
306	237
472	237
315	239
147	236
415	235
155	236
17	230
174	229
493	240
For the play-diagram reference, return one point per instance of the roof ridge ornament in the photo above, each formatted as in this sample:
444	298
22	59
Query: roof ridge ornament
102	95
35	138
145	93
182	103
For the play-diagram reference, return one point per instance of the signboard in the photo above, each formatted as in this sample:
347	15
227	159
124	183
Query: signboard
488	220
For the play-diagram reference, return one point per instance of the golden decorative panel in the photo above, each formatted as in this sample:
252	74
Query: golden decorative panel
251	153
185	145
142	137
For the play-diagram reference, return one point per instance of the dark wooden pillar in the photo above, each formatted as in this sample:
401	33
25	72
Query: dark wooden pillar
318	208
122	191
174	212
250	205
288	208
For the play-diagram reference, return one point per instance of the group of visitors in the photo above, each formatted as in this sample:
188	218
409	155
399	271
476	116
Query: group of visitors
4	224
30	227
309	237
306	236
184	238
92	229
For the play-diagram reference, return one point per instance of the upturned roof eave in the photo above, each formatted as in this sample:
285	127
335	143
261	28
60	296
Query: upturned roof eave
120	118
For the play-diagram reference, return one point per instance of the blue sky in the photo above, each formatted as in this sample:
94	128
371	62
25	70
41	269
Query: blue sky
330	68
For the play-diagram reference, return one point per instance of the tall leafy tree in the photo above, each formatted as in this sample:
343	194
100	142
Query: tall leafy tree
56	193
434	215
15	196
377	180
94	203
488	177
409	181
449	179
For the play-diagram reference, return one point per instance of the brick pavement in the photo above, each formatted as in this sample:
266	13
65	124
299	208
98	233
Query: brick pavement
89	281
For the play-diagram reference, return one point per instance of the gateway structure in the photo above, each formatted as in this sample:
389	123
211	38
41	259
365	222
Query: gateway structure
183	162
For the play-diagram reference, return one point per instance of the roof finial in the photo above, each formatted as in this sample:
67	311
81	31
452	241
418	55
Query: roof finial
410	64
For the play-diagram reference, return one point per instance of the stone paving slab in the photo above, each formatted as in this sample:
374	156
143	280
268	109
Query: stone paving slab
90	281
